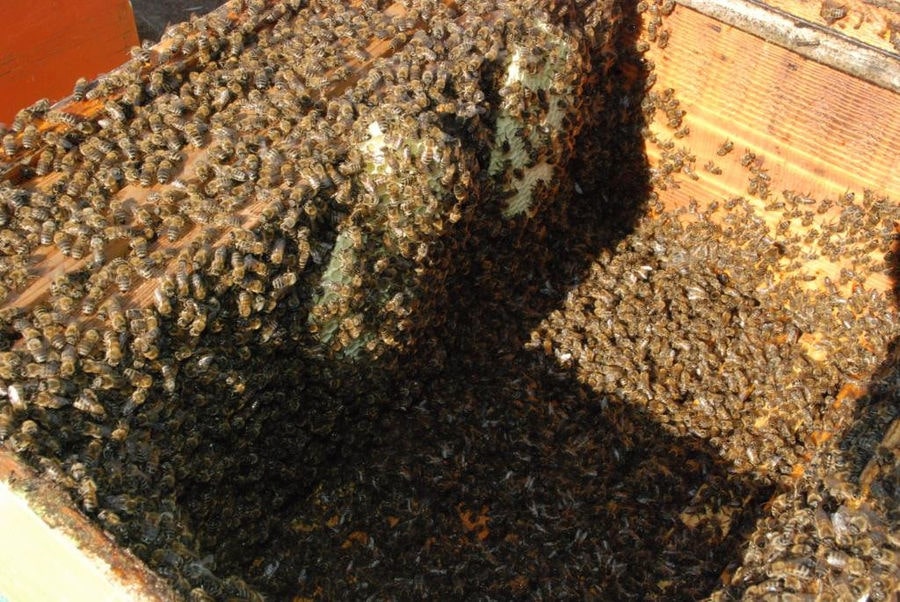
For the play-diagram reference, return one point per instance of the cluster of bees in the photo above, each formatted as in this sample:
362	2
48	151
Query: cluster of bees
710	327
315	248
210	254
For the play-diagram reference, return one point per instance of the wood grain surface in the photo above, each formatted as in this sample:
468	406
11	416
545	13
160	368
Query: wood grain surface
813	130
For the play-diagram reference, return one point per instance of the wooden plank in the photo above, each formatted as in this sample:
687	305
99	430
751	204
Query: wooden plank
807	38
813	129
872	22
39	522
47	45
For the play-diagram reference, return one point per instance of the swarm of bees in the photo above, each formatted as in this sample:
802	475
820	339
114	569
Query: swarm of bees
215	235
294	233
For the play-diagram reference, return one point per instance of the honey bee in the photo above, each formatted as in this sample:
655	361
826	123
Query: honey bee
56	334
29	136
182	281
725	148
113	348
37	347
148	172
164	171
138	379
244	304
80	89
67	361
712	168
17	397
276	255
217	266
238	266
161	302
172	227
832	12
748	158
87	489
123	277
116	316
115	111
199	286
131	172
88	402
198	325
7	422
139	246
111	521
120	432
193	131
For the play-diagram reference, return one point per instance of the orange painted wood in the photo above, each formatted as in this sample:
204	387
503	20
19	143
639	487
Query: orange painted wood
47	44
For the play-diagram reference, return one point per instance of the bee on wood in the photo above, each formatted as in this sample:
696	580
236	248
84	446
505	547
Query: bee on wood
164	171
832	12
29	136
172	227
80	88
725	148
748	158
712	168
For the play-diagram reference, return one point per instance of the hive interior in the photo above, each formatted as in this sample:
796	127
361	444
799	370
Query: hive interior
600	398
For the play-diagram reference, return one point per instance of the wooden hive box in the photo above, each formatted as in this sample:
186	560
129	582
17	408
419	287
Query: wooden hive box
763	97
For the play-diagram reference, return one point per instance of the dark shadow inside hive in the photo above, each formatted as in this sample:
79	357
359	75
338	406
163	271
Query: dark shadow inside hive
469	466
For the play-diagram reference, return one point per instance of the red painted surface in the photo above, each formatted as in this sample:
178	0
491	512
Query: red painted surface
45	45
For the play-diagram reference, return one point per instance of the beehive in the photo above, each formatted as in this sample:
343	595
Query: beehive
415	315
